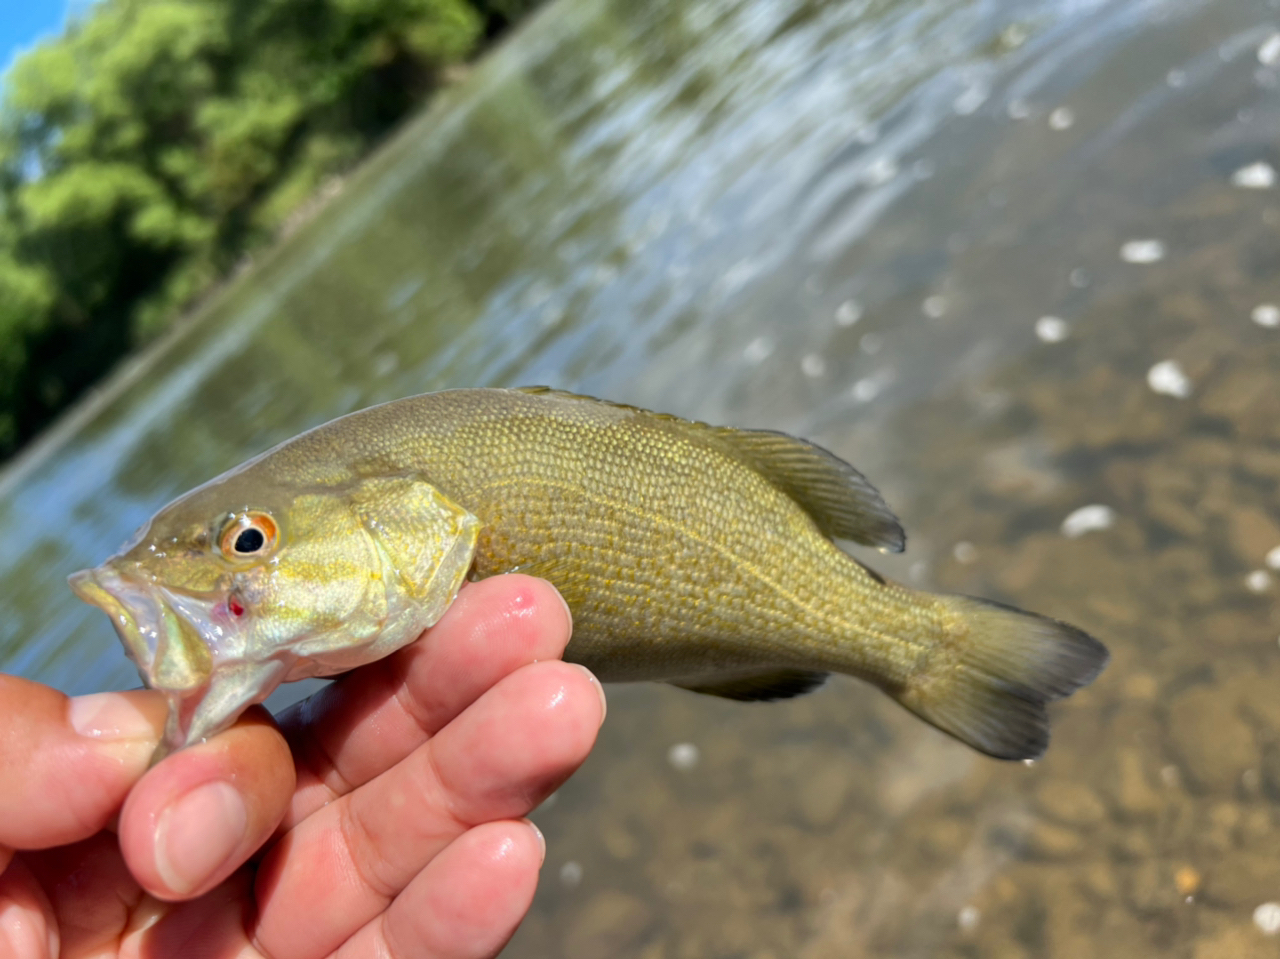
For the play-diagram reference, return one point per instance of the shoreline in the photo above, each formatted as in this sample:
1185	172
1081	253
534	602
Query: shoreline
308	216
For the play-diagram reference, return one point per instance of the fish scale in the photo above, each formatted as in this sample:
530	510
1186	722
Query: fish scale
697	555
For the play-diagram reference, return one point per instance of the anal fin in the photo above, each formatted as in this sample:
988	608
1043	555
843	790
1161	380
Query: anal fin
765	685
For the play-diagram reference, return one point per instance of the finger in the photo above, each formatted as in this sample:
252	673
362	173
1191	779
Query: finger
27	926
67	764
369	720
199	814
343	865
465	904
91	892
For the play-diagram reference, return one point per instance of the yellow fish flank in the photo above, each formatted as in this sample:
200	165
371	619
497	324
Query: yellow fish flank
689	554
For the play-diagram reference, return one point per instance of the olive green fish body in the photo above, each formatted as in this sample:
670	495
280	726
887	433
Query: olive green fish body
679	558
691	554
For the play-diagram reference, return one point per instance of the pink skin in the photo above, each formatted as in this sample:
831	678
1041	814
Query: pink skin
386	820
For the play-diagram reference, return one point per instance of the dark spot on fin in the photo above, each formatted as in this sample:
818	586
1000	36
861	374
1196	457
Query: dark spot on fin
836	496
990	686
765	686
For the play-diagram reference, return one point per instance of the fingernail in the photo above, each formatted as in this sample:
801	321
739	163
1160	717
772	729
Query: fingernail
197	834
604	703
567	611
542	841
26	935
109	717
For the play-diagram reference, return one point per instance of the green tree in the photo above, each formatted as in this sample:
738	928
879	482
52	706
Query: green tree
146	150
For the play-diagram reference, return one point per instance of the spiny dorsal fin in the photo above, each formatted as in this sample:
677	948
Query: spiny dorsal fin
835	495
766	686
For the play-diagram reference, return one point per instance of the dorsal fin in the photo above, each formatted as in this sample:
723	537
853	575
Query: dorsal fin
836	496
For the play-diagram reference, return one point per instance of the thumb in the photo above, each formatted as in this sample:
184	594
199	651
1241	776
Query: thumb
68	763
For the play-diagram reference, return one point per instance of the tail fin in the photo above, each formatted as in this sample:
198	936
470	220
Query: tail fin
989	688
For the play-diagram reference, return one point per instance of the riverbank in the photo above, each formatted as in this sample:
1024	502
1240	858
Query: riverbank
151	152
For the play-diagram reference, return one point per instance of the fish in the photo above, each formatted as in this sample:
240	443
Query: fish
702	556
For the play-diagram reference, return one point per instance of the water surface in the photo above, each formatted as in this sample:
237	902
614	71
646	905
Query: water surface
949	240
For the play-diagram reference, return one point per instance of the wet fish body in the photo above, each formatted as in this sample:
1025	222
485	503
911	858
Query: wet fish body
690	554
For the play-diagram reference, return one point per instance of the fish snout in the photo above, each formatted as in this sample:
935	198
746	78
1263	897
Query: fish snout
169	651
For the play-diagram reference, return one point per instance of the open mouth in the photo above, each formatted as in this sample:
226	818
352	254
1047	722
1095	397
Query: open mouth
168	649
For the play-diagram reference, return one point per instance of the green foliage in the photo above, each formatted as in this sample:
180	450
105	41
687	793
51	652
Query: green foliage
148	149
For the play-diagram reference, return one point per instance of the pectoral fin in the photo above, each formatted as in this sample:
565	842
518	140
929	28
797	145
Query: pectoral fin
766	685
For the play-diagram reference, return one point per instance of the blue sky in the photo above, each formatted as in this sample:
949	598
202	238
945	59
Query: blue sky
22	22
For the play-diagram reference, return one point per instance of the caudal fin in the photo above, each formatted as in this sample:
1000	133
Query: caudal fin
988	685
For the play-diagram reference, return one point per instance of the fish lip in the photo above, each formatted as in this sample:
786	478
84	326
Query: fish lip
150	625
105	588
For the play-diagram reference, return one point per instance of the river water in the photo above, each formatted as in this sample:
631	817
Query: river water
1013	260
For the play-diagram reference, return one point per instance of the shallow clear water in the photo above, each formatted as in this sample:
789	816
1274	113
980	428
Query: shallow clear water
845	221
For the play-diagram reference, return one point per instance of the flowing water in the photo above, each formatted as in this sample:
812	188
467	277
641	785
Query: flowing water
1017	261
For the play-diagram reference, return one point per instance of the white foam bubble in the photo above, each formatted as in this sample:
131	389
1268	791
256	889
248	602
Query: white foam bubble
934	306
848	313
571	874
880	171
968	918
1259	581
683	756
758	350
1088	519
1266	314
965	552
871	343
1267	918
1269	51
1255	176
1176	78
1167	377
969	101
866	389
813	366
1018	109
1014	35
1142	251
1052	329
1273	558
1062	118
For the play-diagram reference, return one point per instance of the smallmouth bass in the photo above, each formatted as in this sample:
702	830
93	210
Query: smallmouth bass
690	554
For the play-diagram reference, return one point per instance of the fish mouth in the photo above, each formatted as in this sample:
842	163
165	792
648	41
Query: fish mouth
184	647
169	649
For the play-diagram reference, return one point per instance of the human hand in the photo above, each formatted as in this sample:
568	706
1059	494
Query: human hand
389	808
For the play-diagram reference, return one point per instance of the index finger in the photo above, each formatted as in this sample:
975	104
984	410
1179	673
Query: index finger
68	763
369	720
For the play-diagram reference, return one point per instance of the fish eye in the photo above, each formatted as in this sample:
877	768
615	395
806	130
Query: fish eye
248	534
